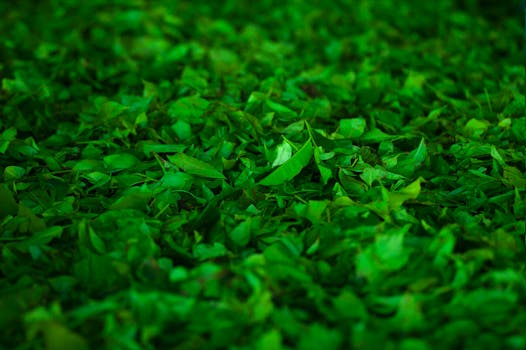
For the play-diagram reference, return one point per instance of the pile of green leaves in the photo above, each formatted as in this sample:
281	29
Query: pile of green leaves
255	175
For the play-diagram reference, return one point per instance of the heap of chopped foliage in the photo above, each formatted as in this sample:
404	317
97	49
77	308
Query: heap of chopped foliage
262	175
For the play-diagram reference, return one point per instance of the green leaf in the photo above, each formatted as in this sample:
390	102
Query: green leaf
411	191
44	236
188	108
262	306
118	162
59	337
318	337
97	243
176	180
182	129
325	172
284	153
195	166
518	128
134	198
313	211
291	168
474	128
209	251
390	251
7	136
13	86
409	316
97	178
514	177
317	108
281	110
407	165
387	254
271	340
241	234
8	205
133	135
13	172
162	148
414	83
110	109
88	165
352	128
349	306
63	284
376	136
369	175
194	79
224	61
443	245
496	155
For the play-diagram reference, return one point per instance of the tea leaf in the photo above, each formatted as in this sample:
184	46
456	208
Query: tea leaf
291	168
195	166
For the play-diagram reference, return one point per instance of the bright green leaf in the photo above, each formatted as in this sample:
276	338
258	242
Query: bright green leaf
475	128
284	153
288	170
396	199
352	128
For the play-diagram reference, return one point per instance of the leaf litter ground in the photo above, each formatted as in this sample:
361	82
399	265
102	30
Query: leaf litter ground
254	175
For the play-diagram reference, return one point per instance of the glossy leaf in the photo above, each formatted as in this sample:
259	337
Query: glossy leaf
284	153
291	167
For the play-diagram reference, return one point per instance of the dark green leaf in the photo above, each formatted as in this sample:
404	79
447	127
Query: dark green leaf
195	166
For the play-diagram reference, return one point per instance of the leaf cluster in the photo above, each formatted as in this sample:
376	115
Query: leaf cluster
255	175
